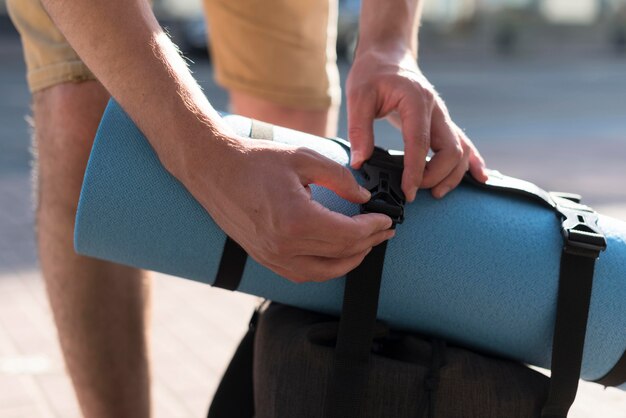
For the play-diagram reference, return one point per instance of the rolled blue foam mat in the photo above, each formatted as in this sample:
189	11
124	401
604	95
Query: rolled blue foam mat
477	268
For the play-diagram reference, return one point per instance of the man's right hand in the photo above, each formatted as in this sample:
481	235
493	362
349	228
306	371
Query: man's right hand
259	195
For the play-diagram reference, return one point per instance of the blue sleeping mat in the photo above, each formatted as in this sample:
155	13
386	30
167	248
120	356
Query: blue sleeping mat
478	268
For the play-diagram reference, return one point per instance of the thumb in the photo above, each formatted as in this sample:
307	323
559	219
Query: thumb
333	176
361	115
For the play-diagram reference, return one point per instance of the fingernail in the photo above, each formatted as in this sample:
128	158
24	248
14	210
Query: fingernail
365	193
412	194
355	158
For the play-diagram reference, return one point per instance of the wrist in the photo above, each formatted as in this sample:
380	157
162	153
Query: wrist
391	25
395	54
197	151
390	48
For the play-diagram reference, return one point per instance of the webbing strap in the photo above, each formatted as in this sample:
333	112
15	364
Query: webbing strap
349	379
574	296
232	265
583	242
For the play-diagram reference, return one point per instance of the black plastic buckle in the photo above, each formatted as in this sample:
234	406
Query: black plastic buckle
383	178
579	227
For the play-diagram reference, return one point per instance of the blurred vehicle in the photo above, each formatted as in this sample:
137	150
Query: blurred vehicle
348	28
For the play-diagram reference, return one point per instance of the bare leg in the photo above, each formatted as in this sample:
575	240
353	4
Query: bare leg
318	122
100	308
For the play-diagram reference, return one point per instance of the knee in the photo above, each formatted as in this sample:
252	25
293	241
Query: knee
65	117
69	108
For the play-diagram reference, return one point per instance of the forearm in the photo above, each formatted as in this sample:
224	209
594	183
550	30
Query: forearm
124	46
390	25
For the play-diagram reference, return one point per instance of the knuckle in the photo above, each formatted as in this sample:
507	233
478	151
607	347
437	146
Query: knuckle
361	92
346	249
428	96
302	156
457	152
343	175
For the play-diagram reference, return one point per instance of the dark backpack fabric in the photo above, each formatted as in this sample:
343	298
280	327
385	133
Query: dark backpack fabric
410	376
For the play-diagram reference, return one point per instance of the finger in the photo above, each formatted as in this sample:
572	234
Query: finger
361	115
337	250
477	166
415	113
320	269
446	146
452	180
317	169
334	227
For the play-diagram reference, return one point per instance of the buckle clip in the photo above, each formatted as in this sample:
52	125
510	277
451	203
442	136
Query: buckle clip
579	227
383	177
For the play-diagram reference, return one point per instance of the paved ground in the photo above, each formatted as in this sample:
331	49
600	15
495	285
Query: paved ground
558	121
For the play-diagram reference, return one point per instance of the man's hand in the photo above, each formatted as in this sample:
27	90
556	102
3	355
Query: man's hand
381	85
260	197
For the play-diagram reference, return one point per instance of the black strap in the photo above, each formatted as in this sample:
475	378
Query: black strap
583	243
350	374
617	375
234	397
232	265
574	296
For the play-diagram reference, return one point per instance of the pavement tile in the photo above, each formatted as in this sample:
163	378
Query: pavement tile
59	394
13	392
30	411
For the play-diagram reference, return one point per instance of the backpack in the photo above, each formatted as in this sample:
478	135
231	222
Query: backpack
284	364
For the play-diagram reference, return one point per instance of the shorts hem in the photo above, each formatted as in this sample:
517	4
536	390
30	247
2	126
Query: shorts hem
53	74
292	100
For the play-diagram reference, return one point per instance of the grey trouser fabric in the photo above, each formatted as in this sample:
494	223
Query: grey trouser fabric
294	355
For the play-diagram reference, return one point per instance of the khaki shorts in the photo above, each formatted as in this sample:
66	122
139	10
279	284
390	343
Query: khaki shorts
279	50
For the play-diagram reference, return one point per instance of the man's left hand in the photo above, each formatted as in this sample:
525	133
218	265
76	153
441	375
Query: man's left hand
383	85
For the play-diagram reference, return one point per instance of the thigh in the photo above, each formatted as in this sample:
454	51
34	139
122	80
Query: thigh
282	51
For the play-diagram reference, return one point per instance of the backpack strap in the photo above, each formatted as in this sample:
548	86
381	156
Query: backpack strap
350	373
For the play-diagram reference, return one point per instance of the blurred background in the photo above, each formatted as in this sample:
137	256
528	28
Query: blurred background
539	85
